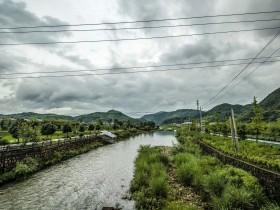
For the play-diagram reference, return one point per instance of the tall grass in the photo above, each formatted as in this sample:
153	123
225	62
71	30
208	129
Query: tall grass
222	186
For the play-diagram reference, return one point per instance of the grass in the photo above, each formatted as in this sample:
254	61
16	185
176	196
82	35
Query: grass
262	154
221	186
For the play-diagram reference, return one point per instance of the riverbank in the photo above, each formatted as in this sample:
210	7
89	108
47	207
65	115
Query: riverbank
30	165
197	181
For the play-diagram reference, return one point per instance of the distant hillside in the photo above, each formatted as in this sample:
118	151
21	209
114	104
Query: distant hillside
224	109
105	117
270	105
36	116
178	116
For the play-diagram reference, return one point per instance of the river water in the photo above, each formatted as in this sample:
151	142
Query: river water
89	181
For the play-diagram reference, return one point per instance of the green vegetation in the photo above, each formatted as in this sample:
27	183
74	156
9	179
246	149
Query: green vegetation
150	186
31	165
220	186
22	131
264	155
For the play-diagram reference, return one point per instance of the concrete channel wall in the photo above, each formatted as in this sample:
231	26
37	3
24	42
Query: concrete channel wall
10	156
268	179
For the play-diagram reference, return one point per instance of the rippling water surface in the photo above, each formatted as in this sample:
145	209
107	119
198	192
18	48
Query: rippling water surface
89	181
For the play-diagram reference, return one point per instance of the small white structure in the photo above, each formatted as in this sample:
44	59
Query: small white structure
109	134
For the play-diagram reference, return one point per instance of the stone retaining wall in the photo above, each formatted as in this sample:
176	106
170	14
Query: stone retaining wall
10	156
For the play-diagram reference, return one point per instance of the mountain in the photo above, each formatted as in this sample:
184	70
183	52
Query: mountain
178	116
270	105
105	117
36	116
224	109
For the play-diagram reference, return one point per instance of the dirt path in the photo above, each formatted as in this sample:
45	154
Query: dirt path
180	192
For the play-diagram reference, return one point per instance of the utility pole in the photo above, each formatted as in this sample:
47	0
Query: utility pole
233	131
201	130
197	105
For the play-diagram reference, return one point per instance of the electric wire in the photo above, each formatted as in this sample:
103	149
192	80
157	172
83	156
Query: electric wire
143	21
255	69
269	42
132	67
137	28
139	38
127	72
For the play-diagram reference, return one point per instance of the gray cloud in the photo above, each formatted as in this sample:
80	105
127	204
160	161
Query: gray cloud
133	92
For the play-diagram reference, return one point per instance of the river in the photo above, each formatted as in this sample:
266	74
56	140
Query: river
89	181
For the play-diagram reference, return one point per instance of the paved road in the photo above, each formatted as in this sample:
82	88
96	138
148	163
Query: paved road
260	140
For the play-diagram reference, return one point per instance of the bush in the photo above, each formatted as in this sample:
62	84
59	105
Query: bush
179	206
4	142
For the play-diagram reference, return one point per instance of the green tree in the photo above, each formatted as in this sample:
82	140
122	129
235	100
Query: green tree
82	128
48	129
91	127
14	131
2	124
217	126
242	131
257	121
66	128
28	134
97	127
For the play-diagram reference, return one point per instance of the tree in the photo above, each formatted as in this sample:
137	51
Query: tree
257	123
48	129
224	129
242	131
97	127
14	131
91	127
217	126
28	134
2	124
66	128
82	128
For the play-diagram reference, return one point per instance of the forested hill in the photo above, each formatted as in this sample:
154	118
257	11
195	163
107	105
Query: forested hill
178	116
224	109
270	106
36	116
106	117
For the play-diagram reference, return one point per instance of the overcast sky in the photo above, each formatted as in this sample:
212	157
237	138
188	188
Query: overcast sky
139	92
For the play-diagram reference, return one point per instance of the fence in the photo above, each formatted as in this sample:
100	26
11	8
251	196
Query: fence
268	179
9	156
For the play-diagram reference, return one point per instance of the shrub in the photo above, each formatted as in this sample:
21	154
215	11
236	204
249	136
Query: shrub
179	206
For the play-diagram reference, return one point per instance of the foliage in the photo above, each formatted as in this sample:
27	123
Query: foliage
149	186
257	123
66	128
224	186
48	129
265	155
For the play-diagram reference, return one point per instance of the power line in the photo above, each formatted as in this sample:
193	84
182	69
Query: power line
127	72
132	67
269	42
261	63
136	28
139	38
144	21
